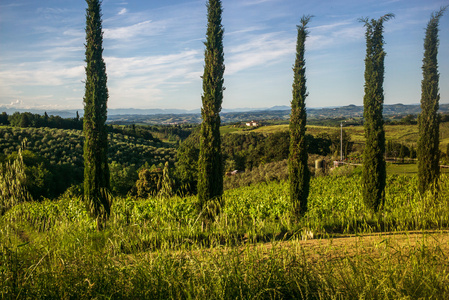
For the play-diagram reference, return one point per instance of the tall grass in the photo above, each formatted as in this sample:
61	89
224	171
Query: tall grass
155	248
280	271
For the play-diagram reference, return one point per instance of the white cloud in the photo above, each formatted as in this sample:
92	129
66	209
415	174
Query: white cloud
330	35
258	50
245	30
145	28
134	66
39	74
255	2
150	78
122	11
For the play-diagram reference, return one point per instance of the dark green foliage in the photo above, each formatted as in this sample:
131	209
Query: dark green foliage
395	150
335	139
210	165
123	178
4	119
299	174
187	164
39	181
246	152
149	182
374	168
166	190
144	132
27	119
13	180
428	141
272	171
96	170
61	152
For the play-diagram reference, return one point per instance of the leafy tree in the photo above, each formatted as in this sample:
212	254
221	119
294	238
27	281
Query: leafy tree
123	178
96	170
149	182
39	181
25	120
299	174
186	171
428	141
374	168
210	165
166	190
4	119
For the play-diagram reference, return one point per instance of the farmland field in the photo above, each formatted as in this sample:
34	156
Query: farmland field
407	134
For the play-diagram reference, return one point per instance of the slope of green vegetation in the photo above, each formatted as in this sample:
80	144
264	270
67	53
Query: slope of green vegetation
57	155
65	147
407	134
155	248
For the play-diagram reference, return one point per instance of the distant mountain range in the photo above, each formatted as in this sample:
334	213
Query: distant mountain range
282	111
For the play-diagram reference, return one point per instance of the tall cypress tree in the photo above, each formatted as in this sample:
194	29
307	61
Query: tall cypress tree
299	174
96	170
428	141
374	167
210	165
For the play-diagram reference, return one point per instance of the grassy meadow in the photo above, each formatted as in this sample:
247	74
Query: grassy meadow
155	248
407	134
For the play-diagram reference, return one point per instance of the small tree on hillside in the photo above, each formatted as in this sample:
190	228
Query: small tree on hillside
374	168
210	165
96	170
299	174
428	141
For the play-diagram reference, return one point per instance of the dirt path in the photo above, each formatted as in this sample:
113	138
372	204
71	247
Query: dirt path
373	245
391	245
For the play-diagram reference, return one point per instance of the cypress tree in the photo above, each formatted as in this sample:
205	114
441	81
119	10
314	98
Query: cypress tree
428	141
299	174
210	164
96	170
374	167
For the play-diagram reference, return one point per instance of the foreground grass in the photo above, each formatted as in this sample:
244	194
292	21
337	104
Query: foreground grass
379	268
155	248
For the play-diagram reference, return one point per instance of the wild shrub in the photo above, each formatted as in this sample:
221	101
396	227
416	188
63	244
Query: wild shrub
13	183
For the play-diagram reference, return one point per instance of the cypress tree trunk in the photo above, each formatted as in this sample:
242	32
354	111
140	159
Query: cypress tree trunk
96	170
210	165
428	141
299	174
374	168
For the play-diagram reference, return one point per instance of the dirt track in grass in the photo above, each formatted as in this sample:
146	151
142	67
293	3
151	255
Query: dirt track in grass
393	244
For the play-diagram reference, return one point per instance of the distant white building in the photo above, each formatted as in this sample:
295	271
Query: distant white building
252	124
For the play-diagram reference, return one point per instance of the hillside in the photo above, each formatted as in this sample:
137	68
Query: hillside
276	113
407	134
57	154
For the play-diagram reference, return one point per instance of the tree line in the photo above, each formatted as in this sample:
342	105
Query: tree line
27	119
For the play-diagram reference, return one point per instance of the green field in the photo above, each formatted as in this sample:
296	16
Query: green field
407	134
155	247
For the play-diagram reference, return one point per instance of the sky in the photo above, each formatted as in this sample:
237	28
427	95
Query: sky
154	52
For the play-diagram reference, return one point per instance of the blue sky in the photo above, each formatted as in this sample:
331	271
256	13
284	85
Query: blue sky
154	52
